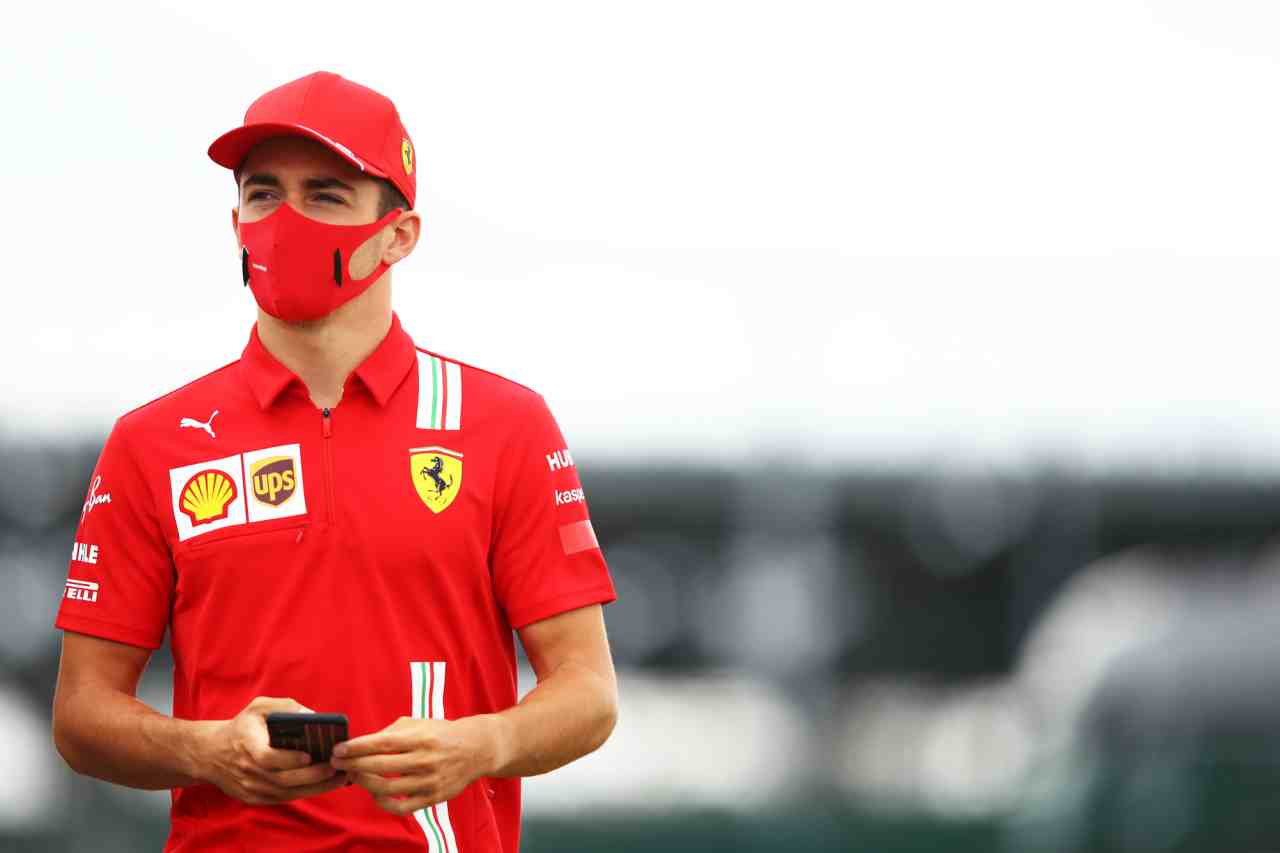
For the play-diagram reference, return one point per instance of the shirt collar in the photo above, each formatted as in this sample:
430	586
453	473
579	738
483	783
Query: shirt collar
382	372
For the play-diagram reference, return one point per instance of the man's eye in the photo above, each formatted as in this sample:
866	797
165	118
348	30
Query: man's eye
259	195
328	197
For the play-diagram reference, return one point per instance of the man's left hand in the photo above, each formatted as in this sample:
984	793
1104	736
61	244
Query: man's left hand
413	764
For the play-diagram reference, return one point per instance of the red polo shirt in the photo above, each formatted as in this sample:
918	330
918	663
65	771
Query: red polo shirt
372	559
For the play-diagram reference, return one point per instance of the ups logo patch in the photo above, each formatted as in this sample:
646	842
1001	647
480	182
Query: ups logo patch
273	476
274	480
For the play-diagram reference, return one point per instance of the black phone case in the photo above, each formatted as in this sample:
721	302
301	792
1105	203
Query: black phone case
314	734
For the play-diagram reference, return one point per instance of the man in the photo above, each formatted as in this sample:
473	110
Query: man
341	519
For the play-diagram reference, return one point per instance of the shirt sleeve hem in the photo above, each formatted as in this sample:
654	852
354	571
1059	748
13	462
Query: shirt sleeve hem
108	630
563	603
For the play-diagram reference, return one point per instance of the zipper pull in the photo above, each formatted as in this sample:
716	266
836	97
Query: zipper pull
326	423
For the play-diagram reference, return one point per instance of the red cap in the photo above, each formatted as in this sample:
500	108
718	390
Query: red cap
357	123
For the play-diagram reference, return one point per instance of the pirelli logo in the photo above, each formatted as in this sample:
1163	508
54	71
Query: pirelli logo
82	590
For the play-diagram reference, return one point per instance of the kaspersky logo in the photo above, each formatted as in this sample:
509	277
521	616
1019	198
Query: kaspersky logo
569	496
207	495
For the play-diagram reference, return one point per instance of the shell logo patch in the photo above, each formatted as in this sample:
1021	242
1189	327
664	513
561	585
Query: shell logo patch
206	496
272	480
406	155
437	475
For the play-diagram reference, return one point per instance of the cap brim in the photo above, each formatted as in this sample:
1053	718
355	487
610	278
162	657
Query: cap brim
232	147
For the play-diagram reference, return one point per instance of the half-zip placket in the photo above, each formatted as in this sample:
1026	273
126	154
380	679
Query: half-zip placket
326	430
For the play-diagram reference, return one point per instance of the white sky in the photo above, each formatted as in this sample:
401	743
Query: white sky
990	231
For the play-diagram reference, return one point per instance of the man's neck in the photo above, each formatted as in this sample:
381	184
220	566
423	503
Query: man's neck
323	352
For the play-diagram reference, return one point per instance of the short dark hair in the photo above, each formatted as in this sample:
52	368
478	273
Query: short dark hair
389	198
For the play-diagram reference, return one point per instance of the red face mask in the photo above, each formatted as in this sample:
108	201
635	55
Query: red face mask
298	267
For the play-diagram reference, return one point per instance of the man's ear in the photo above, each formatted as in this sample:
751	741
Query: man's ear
235	226
405	232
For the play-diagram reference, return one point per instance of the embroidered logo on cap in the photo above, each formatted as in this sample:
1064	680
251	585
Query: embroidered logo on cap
406	155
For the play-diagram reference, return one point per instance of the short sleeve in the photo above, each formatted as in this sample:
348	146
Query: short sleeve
120	580
545	557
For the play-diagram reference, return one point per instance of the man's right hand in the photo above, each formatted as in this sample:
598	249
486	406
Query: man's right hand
236	755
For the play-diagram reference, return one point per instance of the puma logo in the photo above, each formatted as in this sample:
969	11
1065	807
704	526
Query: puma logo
207	426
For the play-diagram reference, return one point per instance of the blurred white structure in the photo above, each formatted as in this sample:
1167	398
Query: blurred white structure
712	741
32	788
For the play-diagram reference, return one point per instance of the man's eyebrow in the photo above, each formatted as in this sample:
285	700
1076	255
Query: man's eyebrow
262	179
268	180
327	184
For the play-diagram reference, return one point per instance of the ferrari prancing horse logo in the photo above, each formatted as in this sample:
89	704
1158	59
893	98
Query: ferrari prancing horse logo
406	155
437	475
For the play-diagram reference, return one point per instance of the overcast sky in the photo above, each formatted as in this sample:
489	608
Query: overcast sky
990	232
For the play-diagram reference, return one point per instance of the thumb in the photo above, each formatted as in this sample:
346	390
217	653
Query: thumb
266	705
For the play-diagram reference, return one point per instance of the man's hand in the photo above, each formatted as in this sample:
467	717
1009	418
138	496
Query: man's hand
428	761
236	755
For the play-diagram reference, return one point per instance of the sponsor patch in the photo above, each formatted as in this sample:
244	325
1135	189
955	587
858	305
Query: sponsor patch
207	426
569	496
436	474
207	496
560	459
579	536
274	475
272	480
82	590
82	553
93	498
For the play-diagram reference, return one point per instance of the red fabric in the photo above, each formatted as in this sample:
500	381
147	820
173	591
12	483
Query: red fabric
132	565
356	122
528	526
329	599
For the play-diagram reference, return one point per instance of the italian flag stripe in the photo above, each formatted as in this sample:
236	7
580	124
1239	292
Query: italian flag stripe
439	393
445	392
453	415
427	680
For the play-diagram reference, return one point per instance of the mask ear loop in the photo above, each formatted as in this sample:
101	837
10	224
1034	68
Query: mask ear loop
337	267
244	265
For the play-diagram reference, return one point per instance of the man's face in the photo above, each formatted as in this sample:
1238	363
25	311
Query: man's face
308	176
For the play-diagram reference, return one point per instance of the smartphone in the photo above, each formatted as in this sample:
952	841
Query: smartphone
314	734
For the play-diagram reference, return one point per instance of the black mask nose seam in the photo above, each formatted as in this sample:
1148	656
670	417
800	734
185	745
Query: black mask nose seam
337	267
244	265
